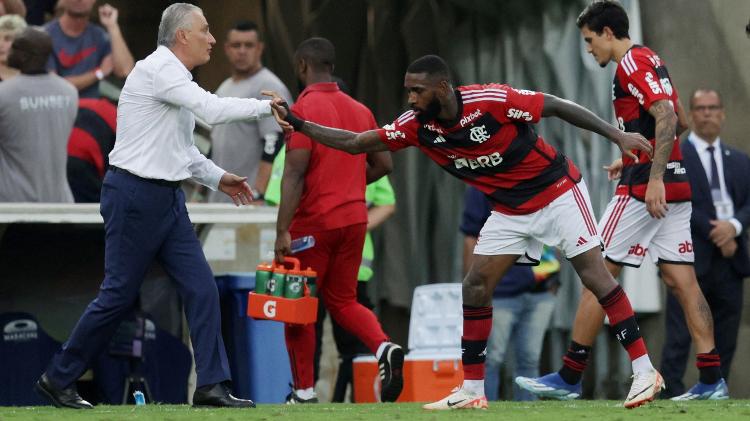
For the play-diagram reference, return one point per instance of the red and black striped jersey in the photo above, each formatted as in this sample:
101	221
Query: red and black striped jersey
493	147
640	80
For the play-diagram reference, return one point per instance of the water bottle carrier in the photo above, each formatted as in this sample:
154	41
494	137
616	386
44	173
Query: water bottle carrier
302	310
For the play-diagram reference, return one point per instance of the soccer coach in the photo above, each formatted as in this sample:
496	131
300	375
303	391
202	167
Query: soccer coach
144	210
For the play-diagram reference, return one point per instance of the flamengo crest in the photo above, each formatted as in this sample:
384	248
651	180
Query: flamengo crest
479	134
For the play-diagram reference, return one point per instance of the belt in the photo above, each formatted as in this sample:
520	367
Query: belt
165	183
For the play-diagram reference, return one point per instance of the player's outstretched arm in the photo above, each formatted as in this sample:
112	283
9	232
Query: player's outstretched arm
344	140
585	119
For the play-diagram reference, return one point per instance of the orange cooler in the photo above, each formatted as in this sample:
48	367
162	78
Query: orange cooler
427	377
432	368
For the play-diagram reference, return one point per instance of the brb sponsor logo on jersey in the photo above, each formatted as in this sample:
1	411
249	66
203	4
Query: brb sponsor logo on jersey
484	161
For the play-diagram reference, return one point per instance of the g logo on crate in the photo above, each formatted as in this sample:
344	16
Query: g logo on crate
20	330
269	309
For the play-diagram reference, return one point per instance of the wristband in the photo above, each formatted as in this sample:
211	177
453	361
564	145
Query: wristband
257	195
292	119
98	73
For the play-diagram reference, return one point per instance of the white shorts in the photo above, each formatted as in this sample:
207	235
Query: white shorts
567	223
629	233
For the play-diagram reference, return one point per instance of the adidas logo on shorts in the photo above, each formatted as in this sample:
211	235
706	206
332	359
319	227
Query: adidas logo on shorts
581	241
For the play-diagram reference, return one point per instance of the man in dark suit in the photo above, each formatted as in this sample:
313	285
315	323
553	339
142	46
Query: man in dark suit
721	212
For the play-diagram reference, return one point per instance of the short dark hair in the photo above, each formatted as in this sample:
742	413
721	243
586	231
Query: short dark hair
603	13
706	91
30	51
247	26
318	53
432	65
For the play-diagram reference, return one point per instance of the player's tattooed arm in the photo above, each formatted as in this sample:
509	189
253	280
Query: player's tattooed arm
344	140
666	126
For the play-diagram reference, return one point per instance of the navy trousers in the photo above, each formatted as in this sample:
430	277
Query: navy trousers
144	221
722	288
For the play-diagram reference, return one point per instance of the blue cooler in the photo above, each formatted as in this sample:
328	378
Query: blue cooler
256	349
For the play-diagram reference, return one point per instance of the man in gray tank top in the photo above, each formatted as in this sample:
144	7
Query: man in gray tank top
247	148
37	111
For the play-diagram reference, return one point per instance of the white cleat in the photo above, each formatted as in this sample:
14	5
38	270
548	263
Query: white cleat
644	389
458	399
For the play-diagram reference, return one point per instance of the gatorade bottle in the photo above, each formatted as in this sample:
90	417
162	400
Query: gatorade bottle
311	277
263	273
276	282
295	284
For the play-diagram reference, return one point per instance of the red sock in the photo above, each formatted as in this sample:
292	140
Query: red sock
623	323
477	326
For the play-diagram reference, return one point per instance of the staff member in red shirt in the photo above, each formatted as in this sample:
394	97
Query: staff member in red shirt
323	195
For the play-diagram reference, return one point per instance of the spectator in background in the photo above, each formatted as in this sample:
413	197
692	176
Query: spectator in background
247	147
38	10
84	53
10	27
323	194
37	110
12	7
719	177
522	304
91	141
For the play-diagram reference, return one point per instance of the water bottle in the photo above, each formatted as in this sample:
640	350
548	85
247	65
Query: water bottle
139	398
276	282
311	277
294	284
302	243
263	273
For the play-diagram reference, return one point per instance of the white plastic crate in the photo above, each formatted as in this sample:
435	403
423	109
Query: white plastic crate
436	322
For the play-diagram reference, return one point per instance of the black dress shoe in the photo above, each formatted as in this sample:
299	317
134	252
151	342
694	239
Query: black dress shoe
217	395
61	398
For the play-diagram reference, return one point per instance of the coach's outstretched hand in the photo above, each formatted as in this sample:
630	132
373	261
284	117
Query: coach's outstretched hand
282	112
237	188
633	141
276	100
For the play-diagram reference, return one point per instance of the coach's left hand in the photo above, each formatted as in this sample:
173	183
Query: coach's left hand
237	188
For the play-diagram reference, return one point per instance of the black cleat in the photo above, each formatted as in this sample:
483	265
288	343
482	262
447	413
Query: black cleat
390	366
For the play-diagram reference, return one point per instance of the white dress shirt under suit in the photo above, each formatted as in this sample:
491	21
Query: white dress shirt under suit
155	121
701	147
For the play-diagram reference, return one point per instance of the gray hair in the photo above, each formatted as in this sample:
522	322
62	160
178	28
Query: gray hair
174	17
13	24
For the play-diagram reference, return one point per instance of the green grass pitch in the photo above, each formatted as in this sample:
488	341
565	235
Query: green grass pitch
510	411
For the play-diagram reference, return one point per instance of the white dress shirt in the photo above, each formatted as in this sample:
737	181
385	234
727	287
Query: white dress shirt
155	121
701	147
